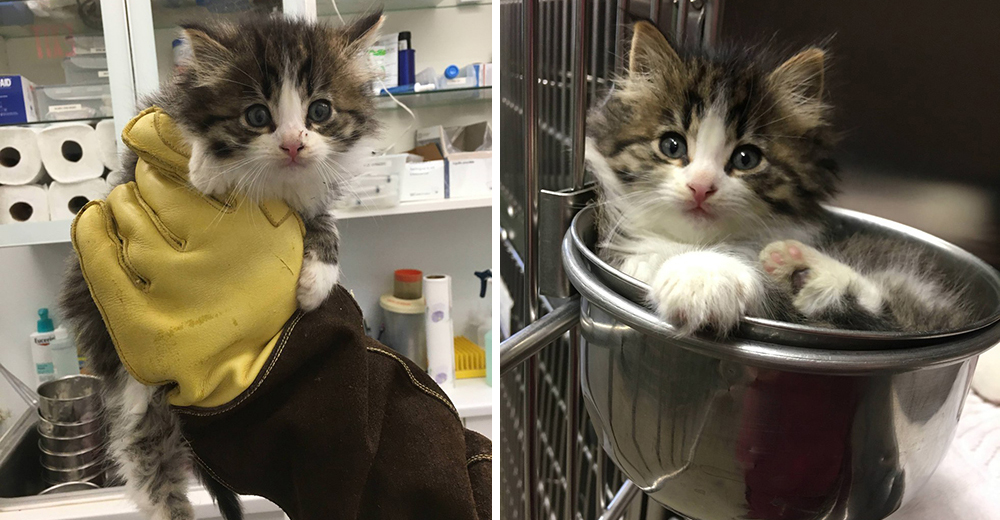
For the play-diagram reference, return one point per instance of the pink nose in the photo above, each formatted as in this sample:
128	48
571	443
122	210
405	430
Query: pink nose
700	192
292	148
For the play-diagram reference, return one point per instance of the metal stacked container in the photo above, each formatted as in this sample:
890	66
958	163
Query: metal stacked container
71	436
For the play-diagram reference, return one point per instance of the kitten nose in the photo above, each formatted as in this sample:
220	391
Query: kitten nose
292	147
700	192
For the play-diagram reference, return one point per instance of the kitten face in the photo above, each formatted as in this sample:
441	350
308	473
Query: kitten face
277	108
711	147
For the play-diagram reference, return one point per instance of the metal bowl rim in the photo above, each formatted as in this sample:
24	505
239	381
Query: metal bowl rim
68	454
820	335
55	487
41	434
94	395
768	354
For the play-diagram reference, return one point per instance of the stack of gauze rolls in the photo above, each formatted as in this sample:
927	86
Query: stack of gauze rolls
50	173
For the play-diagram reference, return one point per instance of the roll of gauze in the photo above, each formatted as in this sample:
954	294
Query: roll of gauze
439	329
23	204
66	199
20	162
106	137
70	152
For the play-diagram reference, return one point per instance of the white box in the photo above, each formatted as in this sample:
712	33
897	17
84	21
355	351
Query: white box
378	184
423	181
470	175
469	172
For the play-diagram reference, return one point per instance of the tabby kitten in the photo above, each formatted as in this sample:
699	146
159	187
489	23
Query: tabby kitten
712	168
272	108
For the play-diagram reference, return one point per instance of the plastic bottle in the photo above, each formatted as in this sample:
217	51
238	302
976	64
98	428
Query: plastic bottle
41	354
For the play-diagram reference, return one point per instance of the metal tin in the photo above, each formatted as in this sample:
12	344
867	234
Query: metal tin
70	399
67	430
813	424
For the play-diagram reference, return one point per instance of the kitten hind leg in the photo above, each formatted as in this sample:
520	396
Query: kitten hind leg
145	440
821	286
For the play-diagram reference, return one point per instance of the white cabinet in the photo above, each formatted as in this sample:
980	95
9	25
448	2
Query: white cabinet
450	236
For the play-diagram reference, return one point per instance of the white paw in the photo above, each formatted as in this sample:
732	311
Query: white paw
316	280
818	282
705	290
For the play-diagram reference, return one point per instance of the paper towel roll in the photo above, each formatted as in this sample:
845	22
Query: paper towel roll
65	199
108	141
70	152
439	329
23	204
20	162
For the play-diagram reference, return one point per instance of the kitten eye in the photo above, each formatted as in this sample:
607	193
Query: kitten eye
746	157
320	111
258	116
673	145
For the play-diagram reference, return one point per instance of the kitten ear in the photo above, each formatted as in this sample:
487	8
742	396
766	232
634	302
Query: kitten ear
799	81
651	52
363	32
204	42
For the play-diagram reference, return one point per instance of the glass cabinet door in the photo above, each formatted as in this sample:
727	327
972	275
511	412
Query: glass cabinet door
53	63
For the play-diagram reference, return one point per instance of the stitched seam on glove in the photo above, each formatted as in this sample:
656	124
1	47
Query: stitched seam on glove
176	242
165	167
413	379
287	333
215	475
479	458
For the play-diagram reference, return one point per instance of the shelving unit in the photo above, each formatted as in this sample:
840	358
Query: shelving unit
435	98
355	7
39	233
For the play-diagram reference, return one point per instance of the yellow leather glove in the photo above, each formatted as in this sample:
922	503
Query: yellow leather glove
193	291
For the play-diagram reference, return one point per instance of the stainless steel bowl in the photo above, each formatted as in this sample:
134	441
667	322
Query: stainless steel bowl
71	444
67	487
70	399
67	430
91	473
780	421
65	461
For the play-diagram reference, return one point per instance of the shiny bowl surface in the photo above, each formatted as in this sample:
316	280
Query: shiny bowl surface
94	472
808	426
67	461
57	430
67	487
71	444
71	399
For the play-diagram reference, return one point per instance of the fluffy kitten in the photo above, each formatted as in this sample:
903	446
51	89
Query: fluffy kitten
272	108
712	169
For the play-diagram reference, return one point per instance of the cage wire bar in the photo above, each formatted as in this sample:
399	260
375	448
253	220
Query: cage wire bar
556	58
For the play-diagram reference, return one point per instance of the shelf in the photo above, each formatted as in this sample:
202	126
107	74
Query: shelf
39	233
355	7
431	98
31	20
471	397
59	122
407	208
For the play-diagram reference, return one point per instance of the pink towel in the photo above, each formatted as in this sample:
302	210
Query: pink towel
966	485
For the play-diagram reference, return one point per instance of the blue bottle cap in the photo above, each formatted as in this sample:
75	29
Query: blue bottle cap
451	72
44	322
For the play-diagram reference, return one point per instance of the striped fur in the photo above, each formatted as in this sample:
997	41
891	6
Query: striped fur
284	65
712	167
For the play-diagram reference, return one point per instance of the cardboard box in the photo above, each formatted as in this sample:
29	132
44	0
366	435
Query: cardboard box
17	100
424	180
468	173
377	185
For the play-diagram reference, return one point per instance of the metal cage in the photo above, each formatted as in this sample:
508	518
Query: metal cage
557	57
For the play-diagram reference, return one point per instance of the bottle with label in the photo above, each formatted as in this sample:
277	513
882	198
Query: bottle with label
41	354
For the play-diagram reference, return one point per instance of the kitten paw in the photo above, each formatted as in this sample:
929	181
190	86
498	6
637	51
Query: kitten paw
818	282
316	280
702	290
